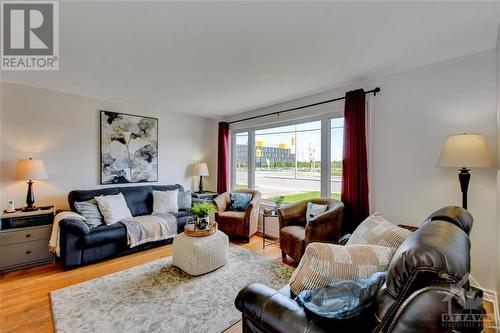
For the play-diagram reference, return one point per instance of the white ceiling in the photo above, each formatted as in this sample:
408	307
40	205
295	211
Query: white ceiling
222	58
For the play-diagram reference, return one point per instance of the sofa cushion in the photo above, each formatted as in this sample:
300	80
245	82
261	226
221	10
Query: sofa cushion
139	199
232	216
104	234
294	231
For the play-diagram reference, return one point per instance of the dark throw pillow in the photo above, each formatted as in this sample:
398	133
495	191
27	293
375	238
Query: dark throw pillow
240	201
342	300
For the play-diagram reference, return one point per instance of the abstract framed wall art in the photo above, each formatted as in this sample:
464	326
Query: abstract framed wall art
129	148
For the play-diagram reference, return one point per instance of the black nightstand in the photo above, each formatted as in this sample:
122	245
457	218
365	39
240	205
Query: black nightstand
207	195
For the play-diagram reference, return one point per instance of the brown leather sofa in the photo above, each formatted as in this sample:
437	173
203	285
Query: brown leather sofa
296	234
238	224
427	277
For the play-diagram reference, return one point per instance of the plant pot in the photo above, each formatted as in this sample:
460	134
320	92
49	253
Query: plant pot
202	223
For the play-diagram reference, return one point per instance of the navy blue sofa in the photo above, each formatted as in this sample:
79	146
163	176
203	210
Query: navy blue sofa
82	245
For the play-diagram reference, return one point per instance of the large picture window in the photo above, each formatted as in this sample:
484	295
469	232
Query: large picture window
287	159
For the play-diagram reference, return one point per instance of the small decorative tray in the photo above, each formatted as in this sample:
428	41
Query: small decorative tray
190	231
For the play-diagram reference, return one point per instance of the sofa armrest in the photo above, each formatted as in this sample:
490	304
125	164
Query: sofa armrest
325	227
75	226
71	230
294	214
222	202
252	210
196	200
274	312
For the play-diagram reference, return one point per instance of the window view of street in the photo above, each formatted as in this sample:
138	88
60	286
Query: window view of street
288	160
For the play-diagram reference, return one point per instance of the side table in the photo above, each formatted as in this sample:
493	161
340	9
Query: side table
24	239
267	241
206	195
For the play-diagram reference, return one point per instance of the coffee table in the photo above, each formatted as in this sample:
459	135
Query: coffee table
200	255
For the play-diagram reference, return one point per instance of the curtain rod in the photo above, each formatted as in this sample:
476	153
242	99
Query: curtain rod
374	91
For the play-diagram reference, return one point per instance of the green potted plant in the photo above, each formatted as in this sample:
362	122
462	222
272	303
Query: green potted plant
278	200
203	210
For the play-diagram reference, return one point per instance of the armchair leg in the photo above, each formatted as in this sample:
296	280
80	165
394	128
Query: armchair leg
283	255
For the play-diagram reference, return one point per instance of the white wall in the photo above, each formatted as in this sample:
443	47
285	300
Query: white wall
410	119
63	130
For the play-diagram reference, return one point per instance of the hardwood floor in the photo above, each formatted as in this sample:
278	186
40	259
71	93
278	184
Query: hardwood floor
24	294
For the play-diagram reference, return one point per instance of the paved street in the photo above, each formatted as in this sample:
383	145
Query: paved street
271	184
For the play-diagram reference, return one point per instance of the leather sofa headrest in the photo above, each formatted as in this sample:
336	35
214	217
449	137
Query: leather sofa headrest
453	214
438	252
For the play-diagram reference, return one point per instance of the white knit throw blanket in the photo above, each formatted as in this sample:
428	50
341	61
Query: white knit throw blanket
54	236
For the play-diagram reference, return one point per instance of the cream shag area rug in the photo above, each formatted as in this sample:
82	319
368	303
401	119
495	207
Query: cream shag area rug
158	297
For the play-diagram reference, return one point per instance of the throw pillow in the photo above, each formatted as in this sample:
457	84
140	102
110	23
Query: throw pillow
240	201
184	200
323	264
165	202
314	210
90	211
343	300
113	208
376	230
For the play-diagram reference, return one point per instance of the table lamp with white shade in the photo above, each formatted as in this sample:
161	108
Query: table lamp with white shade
30	170
465	151
201	169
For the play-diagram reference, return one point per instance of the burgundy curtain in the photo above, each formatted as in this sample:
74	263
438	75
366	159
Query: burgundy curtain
354	165
223	158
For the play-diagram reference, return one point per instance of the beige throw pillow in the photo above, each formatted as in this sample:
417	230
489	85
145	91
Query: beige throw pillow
323	264
376	230
165	202
113	208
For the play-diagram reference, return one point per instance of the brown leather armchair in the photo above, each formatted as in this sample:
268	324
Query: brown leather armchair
238	224
296	234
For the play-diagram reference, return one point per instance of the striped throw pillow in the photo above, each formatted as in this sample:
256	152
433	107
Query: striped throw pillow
376	230
323	264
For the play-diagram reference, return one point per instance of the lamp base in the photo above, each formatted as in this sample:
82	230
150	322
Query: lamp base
29	209
464	178
200	187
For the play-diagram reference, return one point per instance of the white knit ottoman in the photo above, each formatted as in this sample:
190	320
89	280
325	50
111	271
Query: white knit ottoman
200	255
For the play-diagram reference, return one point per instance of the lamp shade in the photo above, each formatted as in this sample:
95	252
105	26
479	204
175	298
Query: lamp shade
29	170
465	151
201	169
